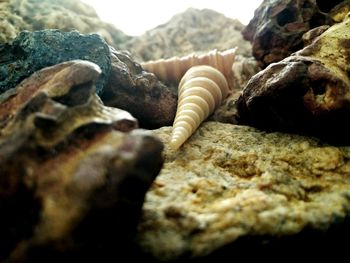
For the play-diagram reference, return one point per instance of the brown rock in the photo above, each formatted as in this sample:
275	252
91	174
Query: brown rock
278	26
306	92
239	188
139	92
71	185
312	34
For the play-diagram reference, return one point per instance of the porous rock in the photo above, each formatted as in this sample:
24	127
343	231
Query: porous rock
19	15
139	92
31	51
277	27
308	92
192	31
230	182
73	171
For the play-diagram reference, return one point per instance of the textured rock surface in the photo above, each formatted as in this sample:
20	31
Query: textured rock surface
10	23
306	92
139	92
232	181
192	31
32	51
71	185
243	69
278	26
19	15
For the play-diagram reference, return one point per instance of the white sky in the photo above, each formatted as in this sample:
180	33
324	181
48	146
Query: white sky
134	17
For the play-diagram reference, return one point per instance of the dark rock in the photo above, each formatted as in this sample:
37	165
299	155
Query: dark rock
278	26
139	92
31	51
308	92
71	183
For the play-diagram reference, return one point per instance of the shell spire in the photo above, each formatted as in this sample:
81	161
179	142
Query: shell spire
172	69
201	90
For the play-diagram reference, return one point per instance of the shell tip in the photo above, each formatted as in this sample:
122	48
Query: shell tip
175	143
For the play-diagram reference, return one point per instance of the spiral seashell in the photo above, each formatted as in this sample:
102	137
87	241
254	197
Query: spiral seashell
201	91
172	69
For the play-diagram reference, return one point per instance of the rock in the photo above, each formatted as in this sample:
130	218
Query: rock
312	34
11	24
139	92
229	183
337	10
122	84
278	26
72	183
243	69
32	51
19	15
191	31
308	92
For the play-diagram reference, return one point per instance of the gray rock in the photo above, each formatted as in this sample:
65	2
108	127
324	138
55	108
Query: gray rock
31	51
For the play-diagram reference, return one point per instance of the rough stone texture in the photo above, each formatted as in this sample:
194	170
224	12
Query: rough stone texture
139	92
243	69
278	26
229	182
307	92
10	23
31	51
19	15
71	185
192	31
338	9
122	84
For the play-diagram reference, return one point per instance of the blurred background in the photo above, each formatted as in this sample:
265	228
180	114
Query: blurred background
128	14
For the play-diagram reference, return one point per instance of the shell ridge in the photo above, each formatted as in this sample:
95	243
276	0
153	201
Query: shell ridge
197	98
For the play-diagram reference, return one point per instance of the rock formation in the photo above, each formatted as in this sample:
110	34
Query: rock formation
122	83
80	182
73	171
307	92
139	92
31	51
232	184
278	26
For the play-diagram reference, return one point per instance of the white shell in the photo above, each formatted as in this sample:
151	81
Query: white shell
172	69
201	90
